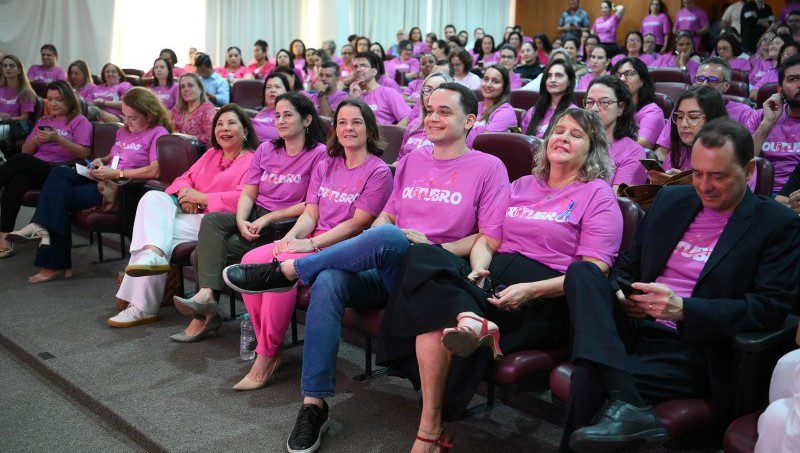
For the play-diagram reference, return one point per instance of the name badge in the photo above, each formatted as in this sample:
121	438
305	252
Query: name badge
115	162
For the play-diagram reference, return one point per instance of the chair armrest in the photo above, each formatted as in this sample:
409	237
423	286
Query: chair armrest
280	227
155	184
761	341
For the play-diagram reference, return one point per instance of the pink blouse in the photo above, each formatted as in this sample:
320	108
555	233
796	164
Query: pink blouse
198	123
222	187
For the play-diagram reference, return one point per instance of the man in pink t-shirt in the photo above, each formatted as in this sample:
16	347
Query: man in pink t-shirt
708	261
716	73
388	104
777	138
47	71
446	195
328	96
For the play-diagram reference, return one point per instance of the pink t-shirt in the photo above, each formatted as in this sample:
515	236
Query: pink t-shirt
395	65
264	124
625	153
646	58
111	93
420	48
759	69
606	28
449	199
78	131
137	150
515	80
388	105
691	19
38	72
580	220
227	73
282	179
499	121
167	95
669	60
389	82
769	76
741	64
259	73
414	137
222	187
782	147
583	83
650	119
656	25
684	266
339	191
744	114
86	91
334	99
490	59
471	81
541	129
413	88
11	104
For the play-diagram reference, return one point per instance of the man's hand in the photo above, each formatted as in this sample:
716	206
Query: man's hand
630	307
794	201
658	301
773	108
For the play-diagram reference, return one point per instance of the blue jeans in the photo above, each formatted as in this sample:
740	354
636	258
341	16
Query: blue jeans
357	273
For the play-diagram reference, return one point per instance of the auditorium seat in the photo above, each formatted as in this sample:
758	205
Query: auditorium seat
40	88
765	177
670	75
742	99
515	150
756	355
666	103
133	80
393	135
248	94
523	99
327	125
529	370
578	97
478	94
400	78
742	434
176	153
97	79
766	90
520	114
133	72
740	76
738	89
672	89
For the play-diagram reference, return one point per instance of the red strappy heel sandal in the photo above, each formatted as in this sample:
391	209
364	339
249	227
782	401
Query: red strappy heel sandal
442	444
463	341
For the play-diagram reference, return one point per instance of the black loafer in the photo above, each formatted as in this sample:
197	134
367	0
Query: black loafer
620	426
257	278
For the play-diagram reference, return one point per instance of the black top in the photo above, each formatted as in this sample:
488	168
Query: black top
751	31
792	184
529	71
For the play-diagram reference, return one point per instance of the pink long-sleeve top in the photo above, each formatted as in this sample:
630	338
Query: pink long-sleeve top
222	187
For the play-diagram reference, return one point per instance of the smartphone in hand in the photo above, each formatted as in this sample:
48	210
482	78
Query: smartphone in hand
627	288
652	164
46	128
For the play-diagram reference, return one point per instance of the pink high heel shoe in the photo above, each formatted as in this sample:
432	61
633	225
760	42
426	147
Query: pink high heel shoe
463	340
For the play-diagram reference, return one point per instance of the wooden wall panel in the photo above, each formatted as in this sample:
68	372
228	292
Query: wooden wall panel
541	16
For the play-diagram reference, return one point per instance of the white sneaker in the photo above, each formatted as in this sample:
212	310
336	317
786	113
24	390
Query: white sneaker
147	262
132	316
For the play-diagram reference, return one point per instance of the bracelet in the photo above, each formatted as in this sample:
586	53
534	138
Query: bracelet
311	240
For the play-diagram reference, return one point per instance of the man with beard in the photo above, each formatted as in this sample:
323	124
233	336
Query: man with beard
777	138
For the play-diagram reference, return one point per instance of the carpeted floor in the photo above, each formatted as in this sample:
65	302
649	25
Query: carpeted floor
161	395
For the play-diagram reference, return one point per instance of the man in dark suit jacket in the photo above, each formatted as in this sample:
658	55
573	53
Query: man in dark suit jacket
708	262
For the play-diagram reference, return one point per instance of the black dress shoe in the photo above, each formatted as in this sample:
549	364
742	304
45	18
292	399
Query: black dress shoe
620	426
257	278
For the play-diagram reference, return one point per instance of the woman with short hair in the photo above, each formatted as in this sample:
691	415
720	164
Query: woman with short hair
166	219
462	62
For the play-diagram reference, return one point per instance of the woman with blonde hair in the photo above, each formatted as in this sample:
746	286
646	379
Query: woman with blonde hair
133	156
193	113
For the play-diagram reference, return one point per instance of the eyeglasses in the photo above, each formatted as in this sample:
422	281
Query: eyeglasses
693	118
347	53
710	80
629	74
427	90
602	104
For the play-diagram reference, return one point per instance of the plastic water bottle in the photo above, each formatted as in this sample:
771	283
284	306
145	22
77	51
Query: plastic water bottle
247	339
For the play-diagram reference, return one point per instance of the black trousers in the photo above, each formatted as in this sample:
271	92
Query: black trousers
663	365
21	173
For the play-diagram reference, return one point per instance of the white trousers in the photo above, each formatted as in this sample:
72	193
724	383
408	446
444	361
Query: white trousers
157	223
779	425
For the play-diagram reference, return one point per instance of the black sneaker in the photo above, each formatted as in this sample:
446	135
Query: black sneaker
306	436
257	278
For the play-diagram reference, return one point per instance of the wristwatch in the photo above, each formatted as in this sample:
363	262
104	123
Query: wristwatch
121	174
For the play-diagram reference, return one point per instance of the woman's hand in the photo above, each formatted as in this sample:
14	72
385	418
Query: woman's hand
104	173
192	196
299	246
259	224
100	102
5	117
190	208
416	237
245	229
515	296
45	136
